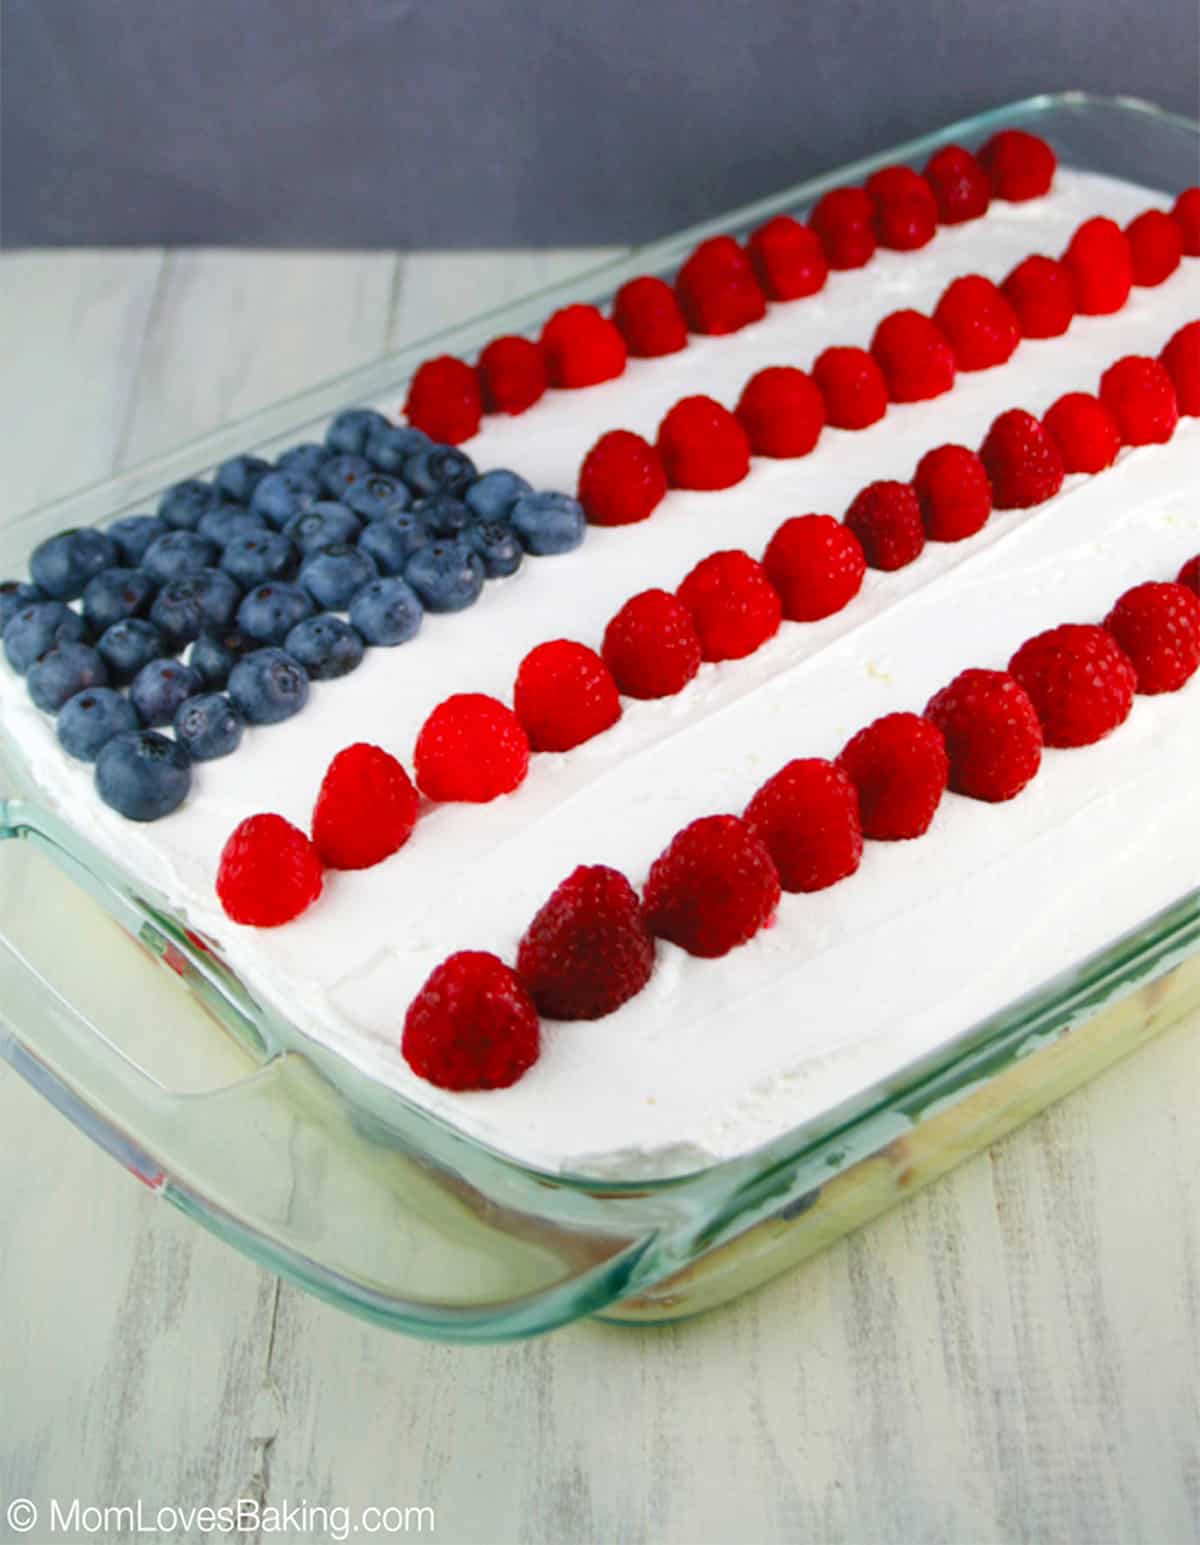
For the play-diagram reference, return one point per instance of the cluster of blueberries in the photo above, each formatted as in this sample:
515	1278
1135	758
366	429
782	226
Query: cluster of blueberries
269	577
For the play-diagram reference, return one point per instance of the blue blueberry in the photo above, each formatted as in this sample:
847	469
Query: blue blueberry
439	469
183	503
378	495
30	632
129	645
305	460
142	775
496	543
492	496
63	564
268	686
340	473
225	521
238	477
326	646
208	726
390	448
386	611
333	574
447	576
322	526
159	687
90	719
392	541
261	556
63	671
179	555
352	428
214	655
444	515
118	593
186	608
270	612
133	535
283	495
14	594
548	523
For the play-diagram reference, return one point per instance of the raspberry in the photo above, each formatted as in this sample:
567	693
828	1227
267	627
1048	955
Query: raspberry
1084	431
444	400
993	737
1041	293
782	412
471	1026
952	488
1158	627
807	817
979	324
1182	359
916	360
581	348
886	519
564	695
588	950
717	288
1155	246
1189	574
1140	395
844	221
960	185
651	646
1023	463
512	373
1020	165
649	318
702	445
817	566
788	259
269	872
366	809
1101	267
734	606
853	387
712	888
621	480
471	748
900	769
905	208
1080	682
1186	214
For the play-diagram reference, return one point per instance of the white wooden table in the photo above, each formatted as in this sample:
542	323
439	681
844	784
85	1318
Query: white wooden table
1013	1355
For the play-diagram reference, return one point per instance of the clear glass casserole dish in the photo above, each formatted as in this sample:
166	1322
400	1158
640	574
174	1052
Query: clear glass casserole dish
281	1147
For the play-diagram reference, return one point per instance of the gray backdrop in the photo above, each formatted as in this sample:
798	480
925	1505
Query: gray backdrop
495	122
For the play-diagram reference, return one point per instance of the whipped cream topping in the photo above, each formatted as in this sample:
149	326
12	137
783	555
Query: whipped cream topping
848	985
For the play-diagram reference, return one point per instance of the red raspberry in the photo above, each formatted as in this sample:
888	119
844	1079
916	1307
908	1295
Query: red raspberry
844	221
1158	627
900	769
1155	246
1140	395
564	695
1189	574
269	872
735	607
588	950
1021	166
886	519
782	412
1182	359
717	288
960	185
1023	463
444	400
472	1025
1080	682
712	888
649	318
1084	431
1101	267
366	809
512	373
651	646
853	387
1041	293
702	445
621	480
951	484
980	325
472	749
1186	214
788	259
581	348
817	566
993	737
807	817
915	358
905	208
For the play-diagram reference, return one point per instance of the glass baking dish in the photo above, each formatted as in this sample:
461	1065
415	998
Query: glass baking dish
281	1147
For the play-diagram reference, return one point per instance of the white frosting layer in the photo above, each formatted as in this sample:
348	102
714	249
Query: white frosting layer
716	1057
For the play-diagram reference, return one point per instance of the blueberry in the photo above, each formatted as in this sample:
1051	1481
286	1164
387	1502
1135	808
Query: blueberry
90	719
326	646
259	557
159	688
283	495
323	525
444	515
129	645
548	523
378	495
340	473
63	671
268	686
447	576
305	460
188	607
496	543
238	477
392	541
208	726
179	555
333	574
214	655
14	594
118	593
386	611
142	775
492	496
63	564
269	612
133	535
38	627
440	469
225	521
390	448
352	428
183	504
